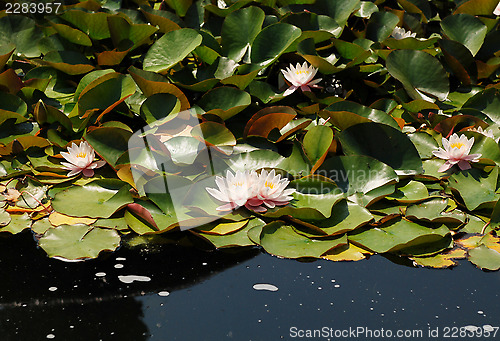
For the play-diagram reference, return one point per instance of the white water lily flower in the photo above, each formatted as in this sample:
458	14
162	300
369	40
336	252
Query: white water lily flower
487	133
456	152
234	190
81	159
301	77
400	33
271	192
221	4
497	10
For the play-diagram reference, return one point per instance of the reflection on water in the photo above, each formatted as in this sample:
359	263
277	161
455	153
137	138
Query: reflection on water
197	295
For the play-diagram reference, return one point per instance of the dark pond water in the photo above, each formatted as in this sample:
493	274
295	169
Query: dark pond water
188	294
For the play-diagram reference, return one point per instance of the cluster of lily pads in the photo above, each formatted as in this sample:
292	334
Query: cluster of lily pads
311	128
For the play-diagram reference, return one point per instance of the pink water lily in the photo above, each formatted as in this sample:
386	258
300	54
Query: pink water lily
301	77
270	192
234	190
251	190
456	152
81	159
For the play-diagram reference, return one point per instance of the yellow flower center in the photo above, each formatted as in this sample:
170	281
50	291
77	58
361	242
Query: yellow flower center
457	145
299	72
82	155
269	184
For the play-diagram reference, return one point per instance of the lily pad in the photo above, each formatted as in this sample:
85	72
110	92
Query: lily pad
170	49
476	188
398	235
421	74
485	258
73	242
97	199
383	143
281	240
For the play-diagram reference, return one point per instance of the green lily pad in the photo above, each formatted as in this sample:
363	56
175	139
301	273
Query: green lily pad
73	35
281	240
18	223
413	191
4	217
109	142
362	178
170	49
97	199
272	41
316	143
159	106
398	235
41	226
424	143
485	258
340	115
239	31
95	25
346	216
476	188
421	74
22	32
237	238
308	206
381	25
432	211
466	29
383	143
73	242
225	101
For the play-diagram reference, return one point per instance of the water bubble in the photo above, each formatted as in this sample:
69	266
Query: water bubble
52	288
100	274
163	293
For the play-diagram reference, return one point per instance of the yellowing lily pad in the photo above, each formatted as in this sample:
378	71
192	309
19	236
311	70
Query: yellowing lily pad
443	260
222	228
348	252
57	219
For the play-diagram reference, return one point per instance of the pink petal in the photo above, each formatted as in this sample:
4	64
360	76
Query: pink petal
88	172
445	167
464	165
258	209
305	88
226	207
290	90
255	202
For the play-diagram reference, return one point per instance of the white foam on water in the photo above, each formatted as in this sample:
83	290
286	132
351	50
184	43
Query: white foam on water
264	286
100	274
163	293
52	288
120	259
118	266
50	336
131	278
